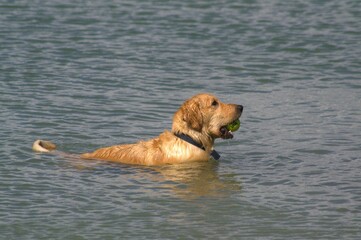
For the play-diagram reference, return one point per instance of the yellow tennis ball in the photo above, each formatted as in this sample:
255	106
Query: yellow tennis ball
234	126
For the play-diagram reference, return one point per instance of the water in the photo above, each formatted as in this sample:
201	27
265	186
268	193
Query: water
86	74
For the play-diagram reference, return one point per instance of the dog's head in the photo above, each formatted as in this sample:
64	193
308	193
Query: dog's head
204	114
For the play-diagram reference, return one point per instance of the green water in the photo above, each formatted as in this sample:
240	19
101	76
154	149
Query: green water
87	74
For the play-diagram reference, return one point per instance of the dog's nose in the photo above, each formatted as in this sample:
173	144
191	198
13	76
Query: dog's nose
240	108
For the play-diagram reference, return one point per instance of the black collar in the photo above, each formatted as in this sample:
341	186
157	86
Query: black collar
190	140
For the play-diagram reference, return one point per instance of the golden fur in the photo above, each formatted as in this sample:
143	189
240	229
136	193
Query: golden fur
201	117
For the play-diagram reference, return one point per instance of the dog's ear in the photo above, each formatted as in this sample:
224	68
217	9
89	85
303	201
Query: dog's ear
192	115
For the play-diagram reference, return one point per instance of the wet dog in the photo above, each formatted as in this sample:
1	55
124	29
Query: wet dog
197	123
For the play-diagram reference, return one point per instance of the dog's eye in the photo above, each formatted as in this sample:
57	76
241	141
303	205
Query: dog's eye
214	103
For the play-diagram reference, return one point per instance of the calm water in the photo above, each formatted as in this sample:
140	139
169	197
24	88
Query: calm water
86	74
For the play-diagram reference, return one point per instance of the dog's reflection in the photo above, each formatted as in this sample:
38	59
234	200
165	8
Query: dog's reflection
187	181
196	179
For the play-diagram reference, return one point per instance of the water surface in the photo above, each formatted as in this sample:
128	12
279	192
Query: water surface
87	74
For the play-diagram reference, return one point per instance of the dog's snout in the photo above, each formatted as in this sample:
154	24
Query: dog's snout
240	108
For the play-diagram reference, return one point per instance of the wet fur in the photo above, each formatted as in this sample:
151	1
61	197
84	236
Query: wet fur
200	117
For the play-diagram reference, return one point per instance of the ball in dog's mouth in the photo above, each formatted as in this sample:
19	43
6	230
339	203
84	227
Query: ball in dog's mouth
226	131
234	126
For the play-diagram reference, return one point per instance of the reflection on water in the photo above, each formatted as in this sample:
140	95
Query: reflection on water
186	181
197	179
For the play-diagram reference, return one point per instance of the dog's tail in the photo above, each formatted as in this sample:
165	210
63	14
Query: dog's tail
43	146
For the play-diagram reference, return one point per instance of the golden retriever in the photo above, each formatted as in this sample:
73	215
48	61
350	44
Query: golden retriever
197	123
